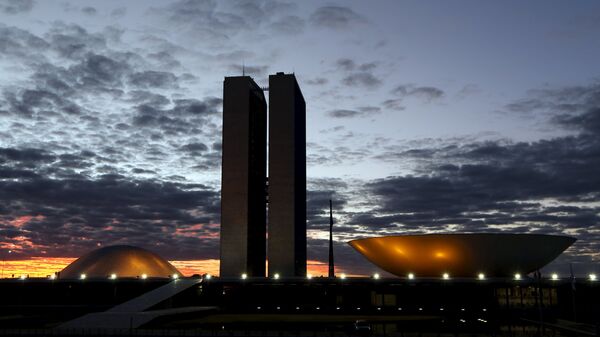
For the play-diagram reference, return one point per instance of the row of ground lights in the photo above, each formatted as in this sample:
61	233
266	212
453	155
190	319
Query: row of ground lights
411	276
276	276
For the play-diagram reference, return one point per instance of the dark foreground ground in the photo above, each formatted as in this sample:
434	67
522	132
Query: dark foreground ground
317	307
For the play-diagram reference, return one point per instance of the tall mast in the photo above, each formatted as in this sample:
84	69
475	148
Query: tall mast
331	265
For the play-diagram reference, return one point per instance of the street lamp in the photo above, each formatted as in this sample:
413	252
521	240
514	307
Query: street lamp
4	262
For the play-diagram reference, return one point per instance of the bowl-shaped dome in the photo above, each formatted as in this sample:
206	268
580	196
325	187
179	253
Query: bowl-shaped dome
123	261
462	255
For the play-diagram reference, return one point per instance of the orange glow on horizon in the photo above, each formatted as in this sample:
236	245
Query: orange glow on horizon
45	266
34	267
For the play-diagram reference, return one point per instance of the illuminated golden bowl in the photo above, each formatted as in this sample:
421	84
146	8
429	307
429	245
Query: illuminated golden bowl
119	261
462	255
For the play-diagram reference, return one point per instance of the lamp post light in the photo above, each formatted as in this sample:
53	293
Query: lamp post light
517	277
481	276
411	276
4	262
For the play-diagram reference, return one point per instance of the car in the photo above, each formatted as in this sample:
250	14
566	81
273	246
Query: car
362	327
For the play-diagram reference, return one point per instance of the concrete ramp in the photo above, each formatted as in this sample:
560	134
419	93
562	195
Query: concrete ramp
131	314
152	298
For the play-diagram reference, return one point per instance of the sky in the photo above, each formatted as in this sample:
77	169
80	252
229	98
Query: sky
422	117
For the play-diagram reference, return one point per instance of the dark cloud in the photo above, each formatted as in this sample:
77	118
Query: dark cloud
558	103
16	6
218	22
194	148
362	79
72	41
39	103
25	157
20	43
394	104
336	17
186	116
320	191
164	60
426	93
358	75
73	215
340	113
153	79
89	11
346	64
149	98
317	81
360	112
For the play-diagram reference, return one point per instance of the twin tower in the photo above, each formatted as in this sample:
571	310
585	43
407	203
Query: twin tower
251	202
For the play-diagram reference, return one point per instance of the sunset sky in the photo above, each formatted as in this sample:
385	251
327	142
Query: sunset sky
422	116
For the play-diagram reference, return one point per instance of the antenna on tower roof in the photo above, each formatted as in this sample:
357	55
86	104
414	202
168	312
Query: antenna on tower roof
243	69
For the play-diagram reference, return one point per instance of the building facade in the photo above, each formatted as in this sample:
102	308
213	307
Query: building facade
287	177
243	180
